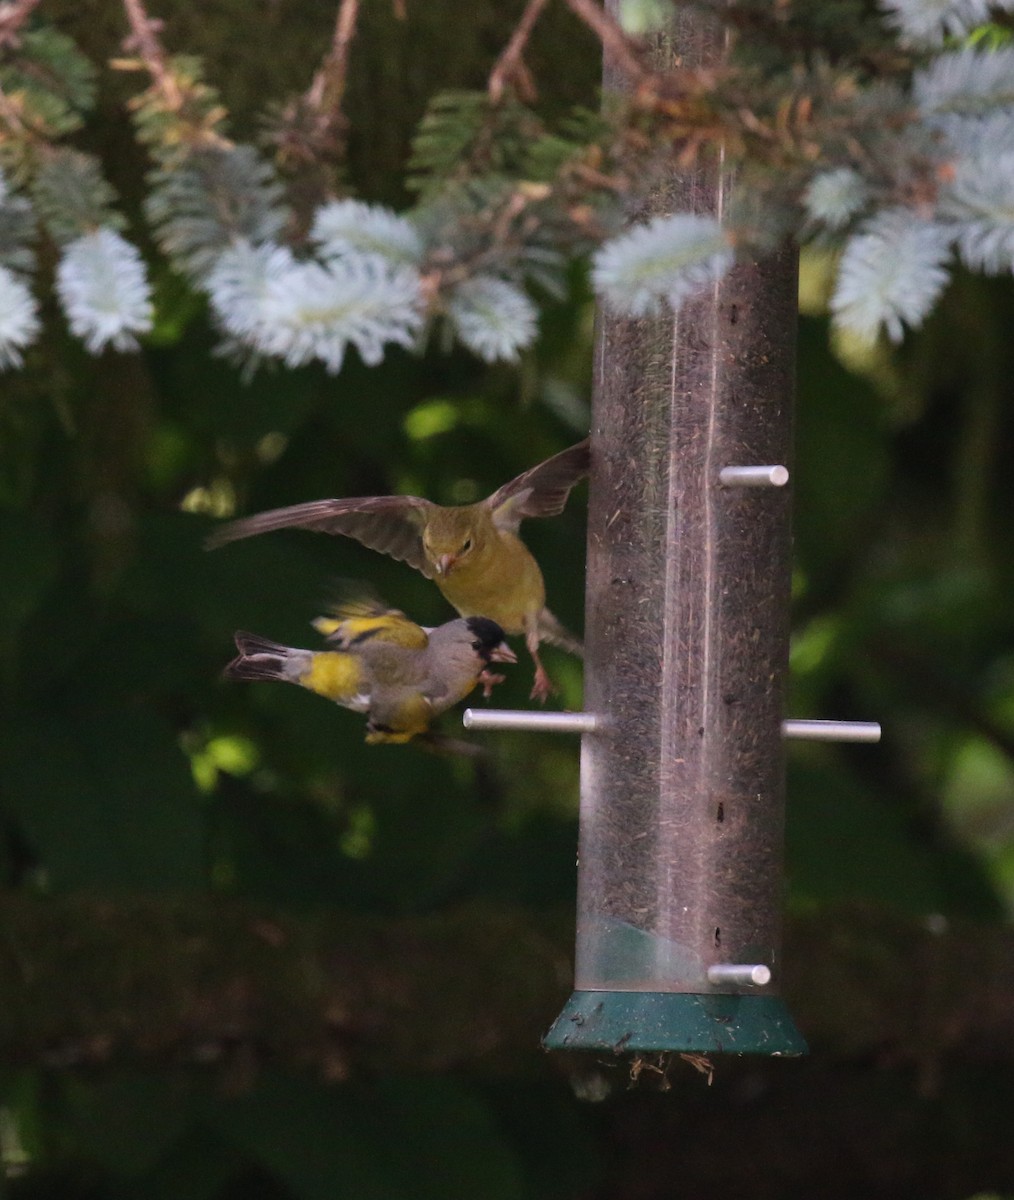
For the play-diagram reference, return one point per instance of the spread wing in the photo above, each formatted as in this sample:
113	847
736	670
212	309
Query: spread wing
541	491
389	524
362	618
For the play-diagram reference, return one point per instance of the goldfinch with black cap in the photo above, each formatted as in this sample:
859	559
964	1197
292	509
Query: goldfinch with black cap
398	673
472	551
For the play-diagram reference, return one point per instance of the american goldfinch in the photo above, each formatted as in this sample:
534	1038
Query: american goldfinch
382	664
471	551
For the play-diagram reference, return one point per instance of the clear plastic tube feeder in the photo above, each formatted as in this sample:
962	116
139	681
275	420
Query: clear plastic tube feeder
687	610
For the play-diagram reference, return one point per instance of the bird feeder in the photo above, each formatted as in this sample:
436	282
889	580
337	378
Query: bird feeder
686	633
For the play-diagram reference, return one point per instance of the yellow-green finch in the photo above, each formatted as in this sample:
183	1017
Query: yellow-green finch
471	551
382	664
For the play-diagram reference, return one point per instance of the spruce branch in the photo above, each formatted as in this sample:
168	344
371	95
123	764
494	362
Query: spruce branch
979	197
178	112
965	82
17	229
46	87
833	198
891	274
13	15
509	69
144	40
493	318
926	23
833	131
72	195
349	227
665	260
327	89
309	132
10	114
492	228
620	48
104	291
212	198
300	311
19	319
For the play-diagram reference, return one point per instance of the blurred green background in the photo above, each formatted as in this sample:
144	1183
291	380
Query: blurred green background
160	830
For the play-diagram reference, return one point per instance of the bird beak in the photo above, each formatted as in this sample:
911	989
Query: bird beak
444	563
503	653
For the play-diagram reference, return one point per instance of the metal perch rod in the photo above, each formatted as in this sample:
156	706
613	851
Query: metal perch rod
740	973
541	722
583	722
776	476
832	731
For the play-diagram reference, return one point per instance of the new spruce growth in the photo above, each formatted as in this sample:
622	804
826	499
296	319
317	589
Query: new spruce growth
879	135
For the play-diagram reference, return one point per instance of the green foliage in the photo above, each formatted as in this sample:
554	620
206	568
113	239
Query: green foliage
170	131
58	64
547	156
128	766
29	562
492	185
463	134
50	82
449	1144
72	196
17	231
159	1137
200	203
93	819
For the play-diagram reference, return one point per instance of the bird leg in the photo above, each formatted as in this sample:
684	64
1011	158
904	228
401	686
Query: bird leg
542	688
489	681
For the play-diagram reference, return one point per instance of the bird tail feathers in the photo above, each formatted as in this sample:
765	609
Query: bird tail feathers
441	744
552	631
258	658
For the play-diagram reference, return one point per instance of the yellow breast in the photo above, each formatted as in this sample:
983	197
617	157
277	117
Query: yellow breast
409	717
501	581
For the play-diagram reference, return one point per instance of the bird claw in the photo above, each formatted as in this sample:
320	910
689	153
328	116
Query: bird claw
489	681
542	688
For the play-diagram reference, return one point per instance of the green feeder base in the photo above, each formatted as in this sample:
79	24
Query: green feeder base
651	1022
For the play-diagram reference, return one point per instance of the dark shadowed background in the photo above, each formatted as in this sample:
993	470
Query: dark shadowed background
245	955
